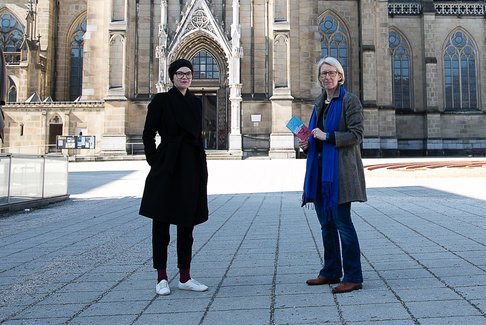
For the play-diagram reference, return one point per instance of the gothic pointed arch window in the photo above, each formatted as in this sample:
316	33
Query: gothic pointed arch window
76	63
400	54
12	91
460	72
205	66
12	33
11	37
334	41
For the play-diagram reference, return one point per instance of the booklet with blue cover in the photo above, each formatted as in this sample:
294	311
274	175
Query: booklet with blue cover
298	128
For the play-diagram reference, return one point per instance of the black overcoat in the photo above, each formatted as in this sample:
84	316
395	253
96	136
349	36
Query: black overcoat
176	187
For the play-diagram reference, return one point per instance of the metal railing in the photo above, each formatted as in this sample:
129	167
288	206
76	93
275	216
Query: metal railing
26	178
134	148
404	8
463	8
447	8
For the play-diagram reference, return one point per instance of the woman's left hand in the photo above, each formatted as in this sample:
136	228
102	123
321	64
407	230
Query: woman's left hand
319	134
304	144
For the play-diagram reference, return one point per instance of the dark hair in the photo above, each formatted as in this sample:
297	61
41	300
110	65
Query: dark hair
176	65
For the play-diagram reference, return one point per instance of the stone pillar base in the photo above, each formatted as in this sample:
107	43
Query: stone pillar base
281	139
282	146
235	143
281	154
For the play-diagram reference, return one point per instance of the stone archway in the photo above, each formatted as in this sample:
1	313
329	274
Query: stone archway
213	90
55	129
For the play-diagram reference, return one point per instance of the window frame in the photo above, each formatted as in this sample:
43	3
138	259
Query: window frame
335	41
460	82
402	98
76	39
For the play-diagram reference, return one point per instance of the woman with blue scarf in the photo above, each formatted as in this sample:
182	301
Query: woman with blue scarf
335	177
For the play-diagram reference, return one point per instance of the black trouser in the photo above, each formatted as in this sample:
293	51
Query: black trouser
160	242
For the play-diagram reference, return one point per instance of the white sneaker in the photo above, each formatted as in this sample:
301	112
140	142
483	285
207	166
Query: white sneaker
162	288
192	285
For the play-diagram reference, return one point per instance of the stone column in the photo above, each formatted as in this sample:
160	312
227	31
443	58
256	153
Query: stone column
113	141
44	130
282	143
432	88
117	54
235	140
161	49
281	139
434	134
96	72
96	51
376	80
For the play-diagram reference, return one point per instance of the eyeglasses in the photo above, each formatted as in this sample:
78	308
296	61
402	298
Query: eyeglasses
181	74
331	74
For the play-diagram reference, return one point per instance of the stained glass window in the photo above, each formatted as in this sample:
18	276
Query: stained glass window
76	68
12	33
460	73
400	70
334	41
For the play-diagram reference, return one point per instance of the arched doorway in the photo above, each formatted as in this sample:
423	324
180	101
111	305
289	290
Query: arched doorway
215	120
210	121
55	129
209	84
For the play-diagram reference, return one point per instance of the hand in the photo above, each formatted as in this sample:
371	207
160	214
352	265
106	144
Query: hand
319	134
303	144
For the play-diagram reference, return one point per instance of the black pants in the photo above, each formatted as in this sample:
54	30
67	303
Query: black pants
160	242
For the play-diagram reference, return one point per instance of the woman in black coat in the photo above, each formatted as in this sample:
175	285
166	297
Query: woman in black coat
176	187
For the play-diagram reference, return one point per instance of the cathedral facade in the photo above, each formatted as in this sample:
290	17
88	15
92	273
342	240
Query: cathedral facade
85	70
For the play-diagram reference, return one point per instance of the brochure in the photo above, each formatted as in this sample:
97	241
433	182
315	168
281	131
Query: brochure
298	128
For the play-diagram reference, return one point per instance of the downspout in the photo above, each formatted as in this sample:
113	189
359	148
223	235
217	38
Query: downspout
135	72
360	56
252	50
56	54
267	40
151	49
360	59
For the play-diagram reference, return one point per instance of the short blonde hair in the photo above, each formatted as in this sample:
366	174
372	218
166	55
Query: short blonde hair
333	62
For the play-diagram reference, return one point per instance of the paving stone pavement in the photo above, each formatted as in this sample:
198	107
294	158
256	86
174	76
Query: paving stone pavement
88	260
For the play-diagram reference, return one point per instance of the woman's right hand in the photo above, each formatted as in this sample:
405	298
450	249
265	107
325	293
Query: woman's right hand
303	144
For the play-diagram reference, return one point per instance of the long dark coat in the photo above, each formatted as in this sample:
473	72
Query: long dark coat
176	187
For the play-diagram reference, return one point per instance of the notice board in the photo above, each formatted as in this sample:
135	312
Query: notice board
75	142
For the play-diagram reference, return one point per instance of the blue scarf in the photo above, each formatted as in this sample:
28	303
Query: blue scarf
329	173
